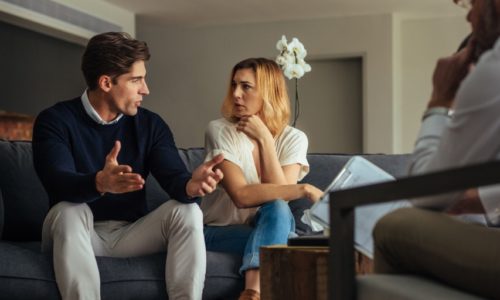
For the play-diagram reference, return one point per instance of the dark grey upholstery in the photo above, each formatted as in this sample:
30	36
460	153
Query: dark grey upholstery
26	273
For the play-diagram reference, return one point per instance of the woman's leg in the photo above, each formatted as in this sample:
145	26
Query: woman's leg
272	225
229	239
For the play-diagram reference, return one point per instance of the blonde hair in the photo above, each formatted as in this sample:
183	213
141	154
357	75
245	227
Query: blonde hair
271	86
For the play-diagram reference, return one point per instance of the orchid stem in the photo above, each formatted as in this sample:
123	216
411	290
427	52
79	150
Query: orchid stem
297	104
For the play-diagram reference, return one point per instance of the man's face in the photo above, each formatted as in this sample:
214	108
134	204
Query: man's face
126	93
483	19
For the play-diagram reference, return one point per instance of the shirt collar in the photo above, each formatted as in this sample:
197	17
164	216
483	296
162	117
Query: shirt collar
89	109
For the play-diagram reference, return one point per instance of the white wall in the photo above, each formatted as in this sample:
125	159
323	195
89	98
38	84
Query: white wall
423	42
189	69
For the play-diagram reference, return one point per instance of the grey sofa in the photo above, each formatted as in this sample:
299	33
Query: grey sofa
26	273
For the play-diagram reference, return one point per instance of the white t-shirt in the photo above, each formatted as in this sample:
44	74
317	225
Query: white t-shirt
221	137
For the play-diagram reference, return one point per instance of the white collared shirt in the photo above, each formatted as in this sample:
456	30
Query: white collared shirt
470	136
93	113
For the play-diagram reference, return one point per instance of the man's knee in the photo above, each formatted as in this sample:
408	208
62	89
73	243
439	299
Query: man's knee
186	215
66	216
390	224
391	237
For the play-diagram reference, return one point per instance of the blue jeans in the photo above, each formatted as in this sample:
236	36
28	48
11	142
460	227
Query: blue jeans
272	225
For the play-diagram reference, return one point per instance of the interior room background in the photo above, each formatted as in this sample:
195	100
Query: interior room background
369	84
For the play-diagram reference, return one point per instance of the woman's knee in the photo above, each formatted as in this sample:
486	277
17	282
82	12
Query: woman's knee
277	209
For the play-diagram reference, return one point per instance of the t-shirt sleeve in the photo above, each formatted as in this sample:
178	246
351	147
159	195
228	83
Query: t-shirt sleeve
220	139
294	151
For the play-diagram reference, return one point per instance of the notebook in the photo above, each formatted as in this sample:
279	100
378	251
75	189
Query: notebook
357	171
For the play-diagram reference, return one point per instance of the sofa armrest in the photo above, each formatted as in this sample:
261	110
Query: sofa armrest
341	261
2	212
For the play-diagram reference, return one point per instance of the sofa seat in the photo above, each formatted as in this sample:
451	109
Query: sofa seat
26	273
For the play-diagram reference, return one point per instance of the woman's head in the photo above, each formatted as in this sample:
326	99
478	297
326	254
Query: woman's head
257	86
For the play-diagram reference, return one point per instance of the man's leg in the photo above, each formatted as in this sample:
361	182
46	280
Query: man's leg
424	242
177	228
68	232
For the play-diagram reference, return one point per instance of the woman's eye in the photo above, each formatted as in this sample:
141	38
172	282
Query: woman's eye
247	87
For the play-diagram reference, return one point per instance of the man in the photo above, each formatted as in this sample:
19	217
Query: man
93	154
423	241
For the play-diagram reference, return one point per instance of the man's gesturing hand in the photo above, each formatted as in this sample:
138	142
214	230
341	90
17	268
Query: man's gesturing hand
115	178
205	178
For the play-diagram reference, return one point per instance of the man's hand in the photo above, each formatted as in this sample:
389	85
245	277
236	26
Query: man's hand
448	75
115	178
469	204
205	178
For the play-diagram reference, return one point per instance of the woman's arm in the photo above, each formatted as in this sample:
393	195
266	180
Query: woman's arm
249	195
271	169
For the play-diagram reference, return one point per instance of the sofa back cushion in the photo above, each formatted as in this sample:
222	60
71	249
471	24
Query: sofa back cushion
25	201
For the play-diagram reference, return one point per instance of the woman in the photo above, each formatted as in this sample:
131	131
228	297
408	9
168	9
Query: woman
263	160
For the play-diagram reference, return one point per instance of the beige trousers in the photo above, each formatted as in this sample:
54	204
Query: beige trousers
70	232
464	255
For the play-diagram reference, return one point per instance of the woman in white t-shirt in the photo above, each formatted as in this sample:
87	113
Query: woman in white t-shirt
264	158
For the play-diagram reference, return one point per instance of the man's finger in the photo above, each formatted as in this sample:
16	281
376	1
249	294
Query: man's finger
113	154
218	175
214	161
122	169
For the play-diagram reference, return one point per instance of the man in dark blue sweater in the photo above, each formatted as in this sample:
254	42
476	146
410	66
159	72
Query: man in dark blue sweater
92	154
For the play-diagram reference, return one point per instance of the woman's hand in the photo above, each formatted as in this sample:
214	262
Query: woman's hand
254	128
312	193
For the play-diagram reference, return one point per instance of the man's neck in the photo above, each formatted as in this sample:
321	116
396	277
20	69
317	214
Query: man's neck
98	101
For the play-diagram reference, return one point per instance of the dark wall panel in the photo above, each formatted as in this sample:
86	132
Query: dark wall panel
36	70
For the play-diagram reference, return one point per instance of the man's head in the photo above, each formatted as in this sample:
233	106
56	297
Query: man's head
483	17
112	54
114	65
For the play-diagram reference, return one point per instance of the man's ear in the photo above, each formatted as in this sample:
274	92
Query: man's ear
105	82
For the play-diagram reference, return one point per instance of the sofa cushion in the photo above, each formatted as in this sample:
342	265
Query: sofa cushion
24	199
26	273
1	214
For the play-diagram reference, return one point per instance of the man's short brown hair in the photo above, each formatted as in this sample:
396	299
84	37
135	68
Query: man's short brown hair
112	54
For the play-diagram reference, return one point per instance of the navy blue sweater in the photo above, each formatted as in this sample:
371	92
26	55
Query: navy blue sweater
69	148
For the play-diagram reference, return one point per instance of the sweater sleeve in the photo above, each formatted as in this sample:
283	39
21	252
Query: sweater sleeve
166	164
54	162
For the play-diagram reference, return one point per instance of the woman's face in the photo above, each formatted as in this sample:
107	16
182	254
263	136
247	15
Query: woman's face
246	98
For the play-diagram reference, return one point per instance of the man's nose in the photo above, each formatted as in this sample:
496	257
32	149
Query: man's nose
144	90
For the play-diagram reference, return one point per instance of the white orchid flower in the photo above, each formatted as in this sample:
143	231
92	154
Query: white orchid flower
297	48
281	60
305	66
282	44
291	58
294	71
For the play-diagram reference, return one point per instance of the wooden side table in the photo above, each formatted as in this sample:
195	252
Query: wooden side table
296	272
288	272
